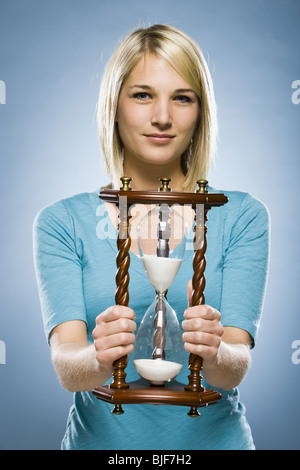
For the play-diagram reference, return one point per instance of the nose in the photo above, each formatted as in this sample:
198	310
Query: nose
161	114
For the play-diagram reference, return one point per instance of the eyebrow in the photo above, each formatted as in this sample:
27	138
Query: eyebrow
179	90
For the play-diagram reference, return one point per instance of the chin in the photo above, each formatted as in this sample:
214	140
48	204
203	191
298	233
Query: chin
159	159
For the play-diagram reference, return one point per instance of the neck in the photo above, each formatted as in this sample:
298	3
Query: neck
147	176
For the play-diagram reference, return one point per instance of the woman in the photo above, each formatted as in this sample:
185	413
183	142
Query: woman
157	117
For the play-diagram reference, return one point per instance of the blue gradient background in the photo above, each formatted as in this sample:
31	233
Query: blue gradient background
52	56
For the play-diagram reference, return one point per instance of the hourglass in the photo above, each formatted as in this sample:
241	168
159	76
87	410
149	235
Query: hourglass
158	353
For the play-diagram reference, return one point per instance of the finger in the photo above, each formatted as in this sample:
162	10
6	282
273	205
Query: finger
103	330
202	311
115	312
112	341
109	356
118	326
206	352
200	324
201	338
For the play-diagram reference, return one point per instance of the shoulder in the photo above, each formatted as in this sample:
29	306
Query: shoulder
64	210
242	220
243	205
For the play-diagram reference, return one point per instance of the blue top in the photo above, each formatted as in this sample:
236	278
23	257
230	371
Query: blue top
75	258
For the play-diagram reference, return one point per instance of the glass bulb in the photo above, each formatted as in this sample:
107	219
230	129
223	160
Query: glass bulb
158	352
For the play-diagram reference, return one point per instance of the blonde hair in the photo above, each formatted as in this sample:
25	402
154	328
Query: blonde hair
184	55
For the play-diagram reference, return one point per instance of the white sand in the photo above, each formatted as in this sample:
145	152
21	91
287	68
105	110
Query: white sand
161	271
157	371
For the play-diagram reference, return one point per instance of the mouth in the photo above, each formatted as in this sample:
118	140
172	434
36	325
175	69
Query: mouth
159	138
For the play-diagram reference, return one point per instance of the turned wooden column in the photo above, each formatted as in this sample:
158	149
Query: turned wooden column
198	283
122	282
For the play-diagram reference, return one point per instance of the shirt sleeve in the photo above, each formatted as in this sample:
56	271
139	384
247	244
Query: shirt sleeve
245	268
58	267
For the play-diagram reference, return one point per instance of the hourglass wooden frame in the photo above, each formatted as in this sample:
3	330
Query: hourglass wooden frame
193	394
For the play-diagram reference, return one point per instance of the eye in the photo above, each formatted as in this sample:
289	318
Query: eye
183	99
142	96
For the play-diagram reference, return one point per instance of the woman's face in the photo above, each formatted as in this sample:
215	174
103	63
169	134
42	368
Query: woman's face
157	112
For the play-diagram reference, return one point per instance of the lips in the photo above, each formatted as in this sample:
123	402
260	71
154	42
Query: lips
159	138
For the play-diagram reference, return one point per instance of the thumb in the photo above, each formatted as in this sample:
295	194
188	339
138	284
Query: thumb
190	292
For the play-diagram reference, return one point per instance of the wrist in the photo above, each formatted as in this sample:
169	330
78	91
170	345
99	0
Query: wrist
103	371
213	362
229	367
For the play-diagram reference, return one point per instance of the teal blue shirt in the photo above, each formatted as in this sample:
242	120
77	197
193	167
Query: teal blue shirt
75	259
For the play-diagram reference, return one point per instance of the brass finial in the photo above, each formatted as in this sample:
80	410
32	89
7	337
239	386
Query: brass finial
193	413
202	186
165	184
118	410
125	183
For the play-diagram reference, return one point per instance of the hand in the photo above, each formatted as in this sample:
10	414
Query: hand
202	330
114	334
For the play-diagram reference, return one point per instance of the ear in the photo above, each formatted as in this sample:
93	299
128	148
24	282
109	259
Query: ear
189	292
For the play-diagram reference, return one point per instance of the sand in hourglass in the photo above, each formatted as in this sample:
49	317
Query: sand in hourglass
161	273
157	371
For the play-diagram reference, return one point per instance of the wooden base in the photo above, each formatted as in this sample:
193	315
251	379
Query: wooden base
140	392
